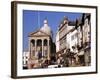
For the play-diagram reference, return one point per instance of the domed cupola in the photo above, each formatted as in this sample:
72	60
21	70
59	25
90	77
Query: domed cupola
45	28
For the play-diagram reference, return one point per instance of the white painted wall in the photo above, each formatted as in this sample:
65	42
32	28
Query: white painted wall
25	57
5	41
69	40
57	42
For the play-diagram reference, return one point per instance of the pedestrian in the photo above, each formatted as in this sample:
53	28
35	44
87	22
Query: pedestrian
60	60
74	55
70	57
66	58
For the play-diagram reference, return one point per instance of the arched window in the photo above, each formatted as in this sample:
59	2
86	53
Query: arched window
33	42
45	42
39	42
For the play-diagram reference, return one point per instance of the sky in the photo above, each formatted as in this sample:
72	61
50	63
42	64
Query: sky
33	20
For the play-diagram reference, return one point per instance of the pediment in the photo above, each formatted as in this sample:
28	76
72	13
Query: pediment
38	33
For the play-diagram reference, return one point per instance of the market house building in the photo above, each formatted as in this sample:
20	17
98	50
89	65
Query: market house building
40	43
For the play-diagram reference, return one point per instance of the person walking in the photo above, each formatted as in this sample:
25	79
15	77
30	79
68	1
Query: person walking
66	57
60	60
74	55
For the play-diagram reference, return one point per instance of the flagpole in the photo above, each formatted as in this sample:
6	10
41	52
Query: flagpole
38	19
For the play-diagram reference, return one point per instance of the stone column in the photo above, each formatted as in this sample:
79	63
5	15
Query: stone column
48	50
31	50
42	47
35	47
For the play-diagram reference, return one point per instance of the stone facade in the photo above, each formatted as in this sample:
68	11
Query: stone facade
75	34
39	46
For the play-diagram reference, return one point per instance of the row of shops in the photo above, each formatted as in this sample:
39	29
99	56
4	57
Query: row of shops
75	34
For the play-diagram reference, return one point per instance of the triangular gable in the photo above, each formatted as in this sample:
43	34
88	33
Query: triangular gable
38	33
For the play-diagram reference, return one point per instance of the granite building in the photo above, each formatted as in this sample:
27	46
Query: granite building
40	46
